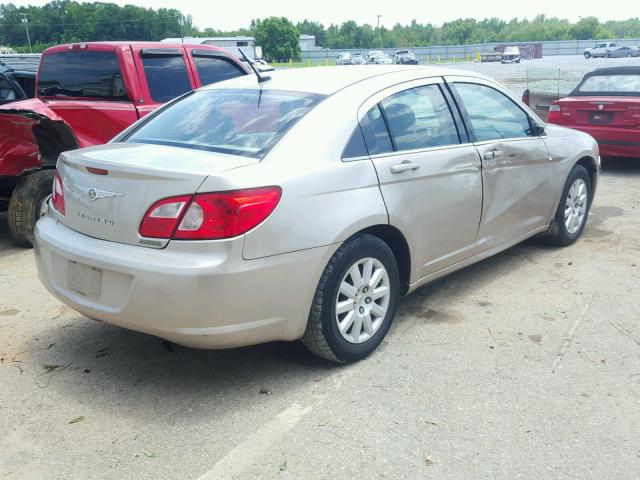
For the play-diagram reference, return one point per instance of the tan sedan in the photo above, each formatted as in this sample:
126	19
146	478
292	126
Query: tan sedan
302	206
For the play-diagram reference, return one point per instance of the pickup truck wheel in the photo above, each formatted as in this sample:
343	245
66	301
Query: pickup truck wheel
587	55
608	55
26	205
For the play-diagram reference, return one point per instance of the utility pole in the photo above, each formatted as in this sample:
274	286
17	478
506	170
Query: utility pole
378	30
26	26
379	20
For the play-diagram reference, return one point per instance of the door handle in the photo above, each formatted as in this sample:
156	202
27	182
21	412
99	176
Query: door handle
493	154
404	167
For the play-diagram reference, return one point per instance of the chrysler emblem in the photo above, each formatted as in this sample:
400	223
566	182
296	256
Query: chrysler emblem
95	194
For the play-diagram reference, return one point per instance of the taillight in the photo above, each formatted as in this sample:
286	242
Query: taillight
554	113
526	97
58	193
209	216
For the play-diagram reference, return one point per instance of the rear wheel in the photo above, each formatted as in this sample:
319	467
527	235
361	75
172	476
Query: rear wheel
608	55
28	204
573	210
587	55
355	301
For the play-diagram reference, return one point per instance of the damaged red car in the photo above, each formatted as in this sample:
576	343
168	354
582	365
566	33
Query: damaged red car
86	93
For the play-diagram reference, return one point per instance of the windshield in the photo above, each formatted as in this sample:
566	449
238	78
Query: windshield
245	122
81	74
610	85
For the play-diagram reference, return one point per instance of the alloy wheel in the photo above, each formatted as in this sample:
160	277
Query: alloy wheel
363	300
575	206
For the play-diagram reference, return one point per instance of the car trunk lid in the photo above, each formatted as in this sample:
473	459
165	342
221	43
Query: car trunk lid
610	111
108	189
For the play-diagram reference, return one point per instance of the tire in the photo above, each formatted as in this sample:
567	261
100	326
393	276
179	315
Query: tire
587	55
25	206
608	55
559	232
323	336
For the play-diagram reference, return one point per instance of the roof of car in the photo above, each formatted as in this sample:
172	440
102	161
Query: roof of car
25	64
117	44
630	70
328	80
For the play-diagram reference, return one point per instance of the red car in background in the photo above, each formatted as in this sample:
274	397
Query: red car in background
606	105
87	93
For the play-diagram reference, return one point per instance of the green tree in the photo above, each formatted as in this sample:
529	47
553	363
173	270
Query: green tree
279	39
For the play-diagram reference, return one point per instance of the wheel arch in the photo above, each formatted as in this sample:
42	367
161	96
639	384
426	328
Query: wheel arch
53	138
592	168
400	248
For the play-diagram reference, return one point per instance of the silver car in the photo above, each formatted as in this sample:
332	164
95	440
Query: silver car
303	206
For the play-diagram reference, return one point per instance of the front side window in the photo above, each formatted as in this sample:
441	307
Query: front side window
215	69
245	122
420	118
492	115
81	74
166	74
7	92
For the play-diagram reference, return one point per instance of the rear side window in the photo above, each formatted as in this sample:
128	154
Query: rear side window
215	69
166	74
246	122
81	74
375	132
607	84
420	118
356	146
492	115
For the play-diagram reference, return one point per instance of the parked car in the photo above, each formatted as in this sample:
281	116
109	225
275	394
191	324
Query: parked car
510	55
17	77
606	105
371	56
261	65
201	224
405	57
358	59
383	59
600	50
86	94
344	58
621	52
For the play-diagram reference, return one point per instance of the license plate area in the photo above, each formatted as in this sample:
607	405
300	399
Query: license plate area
84	279
600	117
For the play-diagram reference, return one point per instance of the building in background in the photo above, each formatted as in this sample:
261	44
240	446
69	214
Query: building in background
308	43
6	50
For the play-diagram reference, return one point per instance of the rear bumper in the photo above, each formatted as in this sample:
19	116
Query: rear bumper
613	142
198	294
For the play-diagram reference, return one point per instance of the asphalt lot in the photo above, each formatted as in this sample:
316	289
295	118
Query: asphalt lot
524	366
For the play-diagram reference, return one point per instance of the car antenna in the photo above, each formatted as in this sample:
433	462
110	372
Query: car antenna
255	70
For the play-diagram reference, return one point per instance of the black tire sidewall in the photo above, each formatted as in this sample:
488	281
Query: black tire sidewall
368	247
24	206
578	171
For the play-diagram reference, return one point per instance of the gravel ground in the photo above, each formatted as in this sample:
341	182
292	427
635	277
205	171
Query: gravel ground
526	365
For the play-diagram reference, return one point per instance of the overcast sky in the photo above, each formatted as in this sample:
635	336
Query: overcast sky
230	15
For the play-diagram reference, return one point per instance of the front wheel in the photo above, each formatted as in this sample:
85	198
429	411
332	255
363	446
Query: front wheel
28	204
355	301
587	55
573	210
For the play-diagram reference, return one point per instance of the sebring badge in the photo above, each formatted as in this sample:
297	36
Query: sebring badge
95	194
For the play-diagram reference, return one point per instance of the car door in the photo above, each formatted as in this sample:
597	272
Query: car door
429	174
517	169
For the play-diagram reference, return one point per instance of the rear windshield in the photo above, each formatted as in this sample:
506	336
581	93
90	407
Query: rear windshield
81	74
610	85
245	122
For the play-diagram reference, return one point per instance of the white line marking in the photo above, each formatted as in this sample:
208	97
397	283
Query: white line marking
256	445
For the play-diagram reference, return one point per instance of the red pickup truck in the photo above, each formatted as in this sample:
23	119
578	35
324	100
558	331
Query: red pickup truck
86	93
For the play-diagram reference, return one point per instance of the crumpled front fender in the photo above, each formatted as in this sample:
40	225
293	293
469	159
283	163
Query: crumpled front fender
19	148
